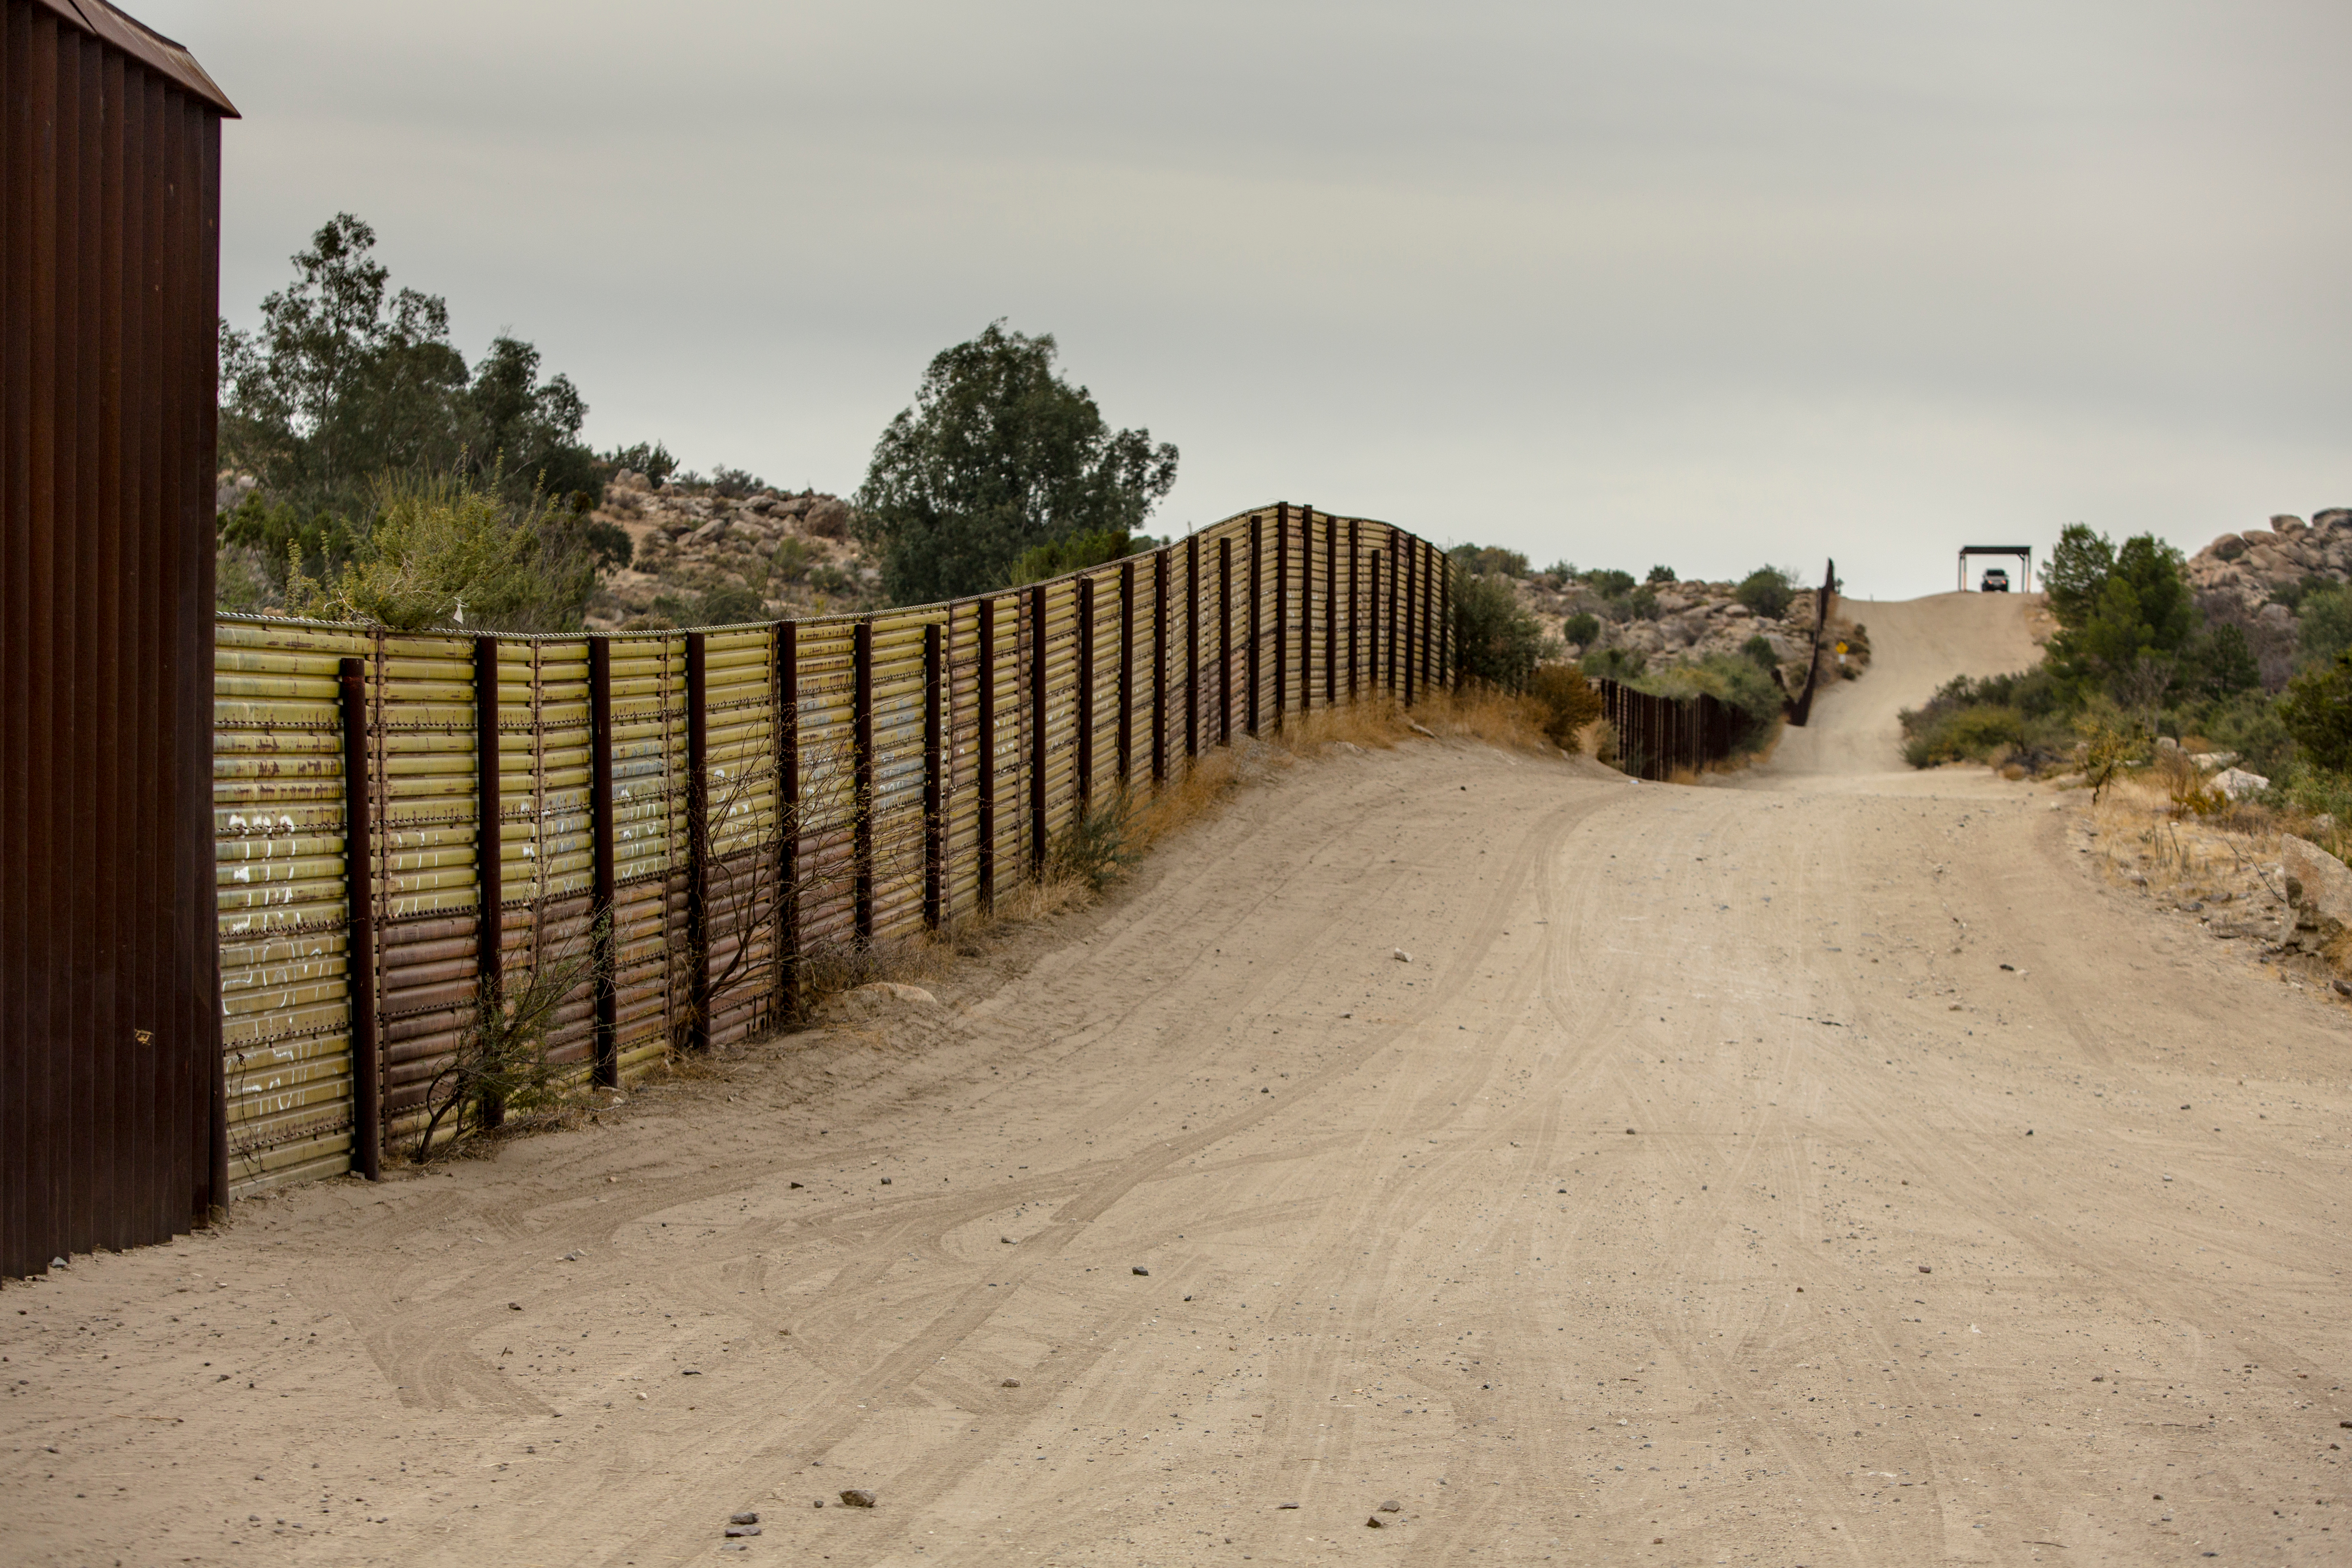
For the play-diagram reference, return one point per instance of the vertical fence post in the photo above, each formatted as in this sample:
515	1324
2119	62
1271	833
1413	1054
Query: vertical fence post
1355	627
788	819
1281	614
698	840
1191	647
1432	633
1449	670
1226	640
603	916
1331	611
1385	561
1253	655
1125	672
359	954
1037	730
1159	667
490	880
861	871
985	862
934	836
1412	631
1306	609
1085	758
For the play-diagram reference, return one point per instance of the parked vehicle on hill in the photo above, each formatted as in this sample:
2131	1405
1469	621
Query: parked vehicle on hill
1994	581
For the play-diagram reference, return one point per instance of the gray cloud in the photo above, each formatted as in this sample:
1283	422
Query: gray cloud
1707	283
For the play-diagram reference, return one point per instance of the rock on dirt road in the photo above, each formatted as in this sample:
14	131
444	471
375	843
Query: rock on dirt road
1429	1270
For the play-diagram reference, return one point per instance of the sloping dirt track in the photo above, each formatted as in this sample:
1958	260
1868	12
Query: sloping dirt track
1820	1171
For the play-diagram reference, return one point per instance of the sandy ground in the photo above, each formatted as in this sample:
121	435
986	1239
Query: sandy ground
1825	1170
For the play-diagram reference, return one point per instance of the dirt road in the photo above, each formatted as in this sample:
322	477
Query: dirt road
1822	1171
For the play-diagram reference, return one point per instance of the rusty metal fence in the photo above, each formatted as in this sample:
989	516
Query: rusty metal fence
681	819
1658	737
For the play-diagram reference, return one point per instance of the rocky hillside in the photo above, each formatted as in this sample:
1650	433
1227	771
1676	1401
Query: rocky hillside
705	558
1663	624
2256	581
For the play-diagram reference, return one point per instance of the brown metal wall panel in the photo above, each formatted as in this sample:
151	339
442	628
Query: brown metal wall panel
112	1111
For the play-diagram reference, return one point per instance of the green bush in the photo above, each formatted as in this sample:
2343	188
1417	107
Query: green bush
1581	628
1614	664
1964	734
2323	629
1099	846
1765	592
1075	553
1489	558
1495	636
1610	585
1661	575
1642	603
2317	711
1758	650
1567	700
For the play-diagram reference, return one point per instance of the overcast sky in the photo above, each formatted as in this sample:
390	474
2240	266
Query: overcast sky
1705	282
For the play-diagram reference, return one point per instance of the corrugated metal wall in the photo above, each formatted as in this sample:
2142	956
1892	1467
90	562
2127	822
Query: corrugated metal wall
706	788
109	1042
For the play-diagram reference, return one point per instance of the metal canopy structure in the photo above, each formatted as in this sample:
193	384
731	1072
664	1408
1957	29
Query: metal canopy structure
2023	552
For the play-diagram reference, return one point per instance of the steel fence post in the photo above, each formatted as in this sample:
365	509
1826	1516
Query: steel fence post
861	872
603	914
934	837
698	840
360	954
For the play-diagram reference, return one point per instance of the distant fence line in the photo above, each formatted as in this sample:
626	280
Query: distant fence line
405	820
1657	737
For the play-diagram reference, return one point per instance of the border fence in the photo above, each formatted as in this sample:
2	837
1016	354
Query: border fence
667	826
1658	737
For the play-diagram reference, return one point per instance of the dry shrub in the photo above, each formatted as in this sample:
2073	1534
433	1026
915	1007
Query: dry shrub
1375	724
829	967
1195	793
1486	713
1567	701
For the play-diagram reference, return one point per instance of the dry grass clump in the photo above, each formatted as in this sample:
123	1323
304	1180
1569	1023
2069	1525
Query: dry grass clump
1503	718
832	965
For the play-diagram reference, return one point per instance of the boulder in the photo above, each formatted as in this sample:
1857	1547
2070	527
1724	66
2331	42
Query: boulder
2240	785
709	532
881	1001
828	518
2318	896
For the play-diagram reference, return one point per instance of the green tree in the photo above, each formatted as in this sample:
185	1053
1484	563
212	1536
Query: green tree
2324	629
340	382
2077	571
444	552
997	456
1765	592
1075	553
2317	711
1581	628
1661	575
2139	615
1495	636
346	382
